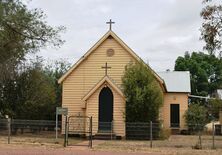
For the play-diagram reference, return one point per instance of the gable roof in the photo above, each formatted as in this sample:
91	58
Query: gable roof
105	79
176	81
131	52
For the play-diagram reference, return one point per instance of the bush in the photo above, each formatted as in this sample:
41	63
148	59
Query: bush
165	133
143	94
196	117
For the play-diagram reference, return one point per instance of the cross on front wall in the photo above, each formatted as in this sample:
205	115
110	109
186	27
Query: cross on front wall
106	67
110	24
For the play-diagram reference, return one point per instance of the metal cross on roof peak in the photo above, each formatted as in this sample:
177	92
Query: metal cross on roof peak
110	24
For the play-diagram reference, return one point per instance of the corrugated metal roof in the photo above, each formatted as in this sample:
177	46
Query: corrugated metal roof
219	93
176	81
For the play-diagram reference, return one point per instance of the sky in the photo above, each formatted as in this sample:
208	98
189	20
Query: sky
158	31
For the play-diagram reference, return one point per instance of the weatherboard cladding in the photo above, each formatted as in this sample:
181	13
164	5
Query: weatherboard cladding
88	72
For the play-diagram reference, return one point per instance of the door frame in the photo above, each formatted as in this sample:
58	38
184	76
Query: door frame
105	125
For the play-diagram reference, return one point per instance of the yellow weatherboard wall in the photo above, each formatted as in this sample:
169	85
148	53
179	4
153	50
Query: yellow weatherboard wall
174	98
82	84
87	74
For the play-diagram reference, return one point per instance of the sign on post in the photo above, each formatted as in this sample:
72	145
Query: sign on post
60	111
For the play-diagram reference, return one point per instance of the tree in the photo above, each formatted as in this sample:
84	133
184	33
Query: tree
54	71
215	106
29	94
211	29
33	91
196	117
206	72
36	95
22	31
143	93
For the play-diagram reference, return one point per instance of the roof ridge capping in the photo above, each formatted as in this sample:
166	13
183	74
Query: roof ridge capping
172	71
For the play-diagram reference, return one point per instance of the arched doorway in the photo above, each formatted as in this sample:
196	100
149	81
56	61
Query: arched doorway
105	109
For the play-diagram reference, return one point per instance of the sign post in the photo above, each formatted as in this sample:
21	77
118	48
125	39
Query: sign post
9	127
60	111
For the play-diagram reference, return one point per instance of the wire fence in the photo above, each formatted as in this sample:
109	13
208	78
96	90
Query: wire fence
197	136
143	131
81	127
21	131
19	126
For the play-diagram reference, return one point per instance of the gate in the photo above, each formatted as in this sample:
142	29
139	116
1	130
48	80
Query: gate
79	126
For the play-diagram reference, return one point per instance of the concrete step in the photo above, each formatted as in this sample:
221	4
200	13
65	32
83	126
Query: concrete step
175	131
104	136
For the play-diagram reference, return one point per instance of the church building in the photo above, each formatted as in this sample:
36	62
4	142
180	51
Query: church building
93	87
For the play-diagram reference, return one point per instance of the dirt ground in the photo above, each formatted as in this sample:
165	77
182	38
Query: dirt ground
175	145
36	141
36	147
64	152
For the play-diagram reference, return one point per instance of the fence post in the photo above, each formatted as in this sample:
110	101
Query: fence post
66	132
90	132
111	130
56	126
9	128
213	135
151	134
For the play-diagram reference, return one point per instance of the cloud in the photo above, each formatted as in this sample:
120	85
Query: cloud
158	31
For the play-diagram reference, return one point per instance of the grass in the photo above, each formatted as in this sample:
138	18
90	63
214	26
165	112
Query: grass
178	145
37	140
174	145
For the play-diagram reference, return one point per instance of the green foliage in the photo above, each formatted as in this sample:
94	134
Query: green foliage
37	95
196	117
22	31
212	26
143	93
215	105
206	69
164	133
206	72
34	93
28	91
54	71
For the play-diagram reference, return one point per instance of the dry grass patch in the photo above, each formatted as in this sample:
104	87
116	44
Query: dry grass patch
178	145
36	140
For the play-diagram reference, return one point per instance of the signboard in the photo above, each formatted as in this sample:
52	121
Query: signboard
61	111
220	117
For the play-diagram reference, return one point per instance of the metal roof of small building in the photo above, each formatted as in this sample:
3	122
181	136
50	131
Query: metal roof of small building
176	81
219	93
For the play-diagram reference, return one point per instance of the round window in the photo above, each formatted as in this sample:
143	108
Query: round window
110	52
